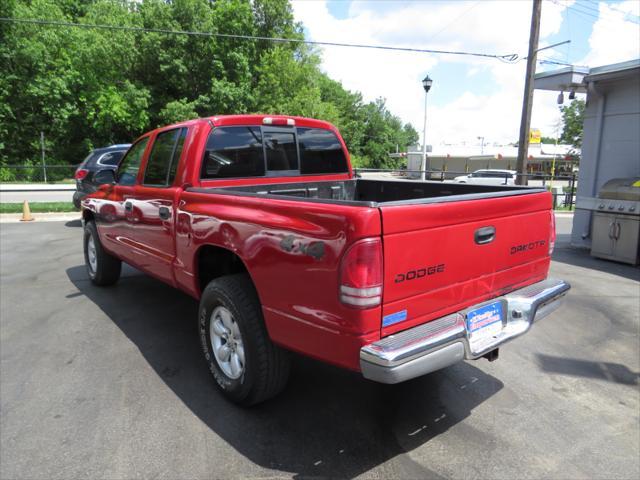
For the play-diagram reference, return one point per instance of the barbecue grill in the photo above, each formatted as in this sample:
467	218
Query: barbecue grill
615	228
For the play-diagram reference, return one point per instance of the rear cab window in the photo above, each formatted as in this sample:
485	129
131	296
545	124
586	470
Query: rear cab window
233	152
254	151
320	152
281	151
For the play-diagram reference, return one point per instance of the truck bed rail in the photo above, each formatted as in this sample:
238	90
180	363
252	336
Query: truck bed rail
372	193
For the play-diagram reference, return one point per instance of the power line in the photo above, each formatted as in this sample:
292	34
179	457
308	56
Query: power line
592	6
597	14
508	58
555	62
466	10
586	11
588	6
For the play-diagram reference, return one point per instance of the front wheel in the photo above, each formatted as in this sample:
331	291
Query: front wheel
103	269
247	366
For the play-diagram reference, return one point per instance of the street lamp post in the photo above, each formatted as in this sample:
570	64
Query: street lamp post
481	145
426	84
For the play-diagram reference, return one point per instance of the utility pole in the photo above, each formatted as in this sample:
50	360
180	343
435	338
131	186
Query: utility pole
525	120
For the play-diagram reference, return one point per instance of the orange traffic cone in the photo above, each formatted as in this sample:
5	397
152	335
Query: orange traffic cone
26	213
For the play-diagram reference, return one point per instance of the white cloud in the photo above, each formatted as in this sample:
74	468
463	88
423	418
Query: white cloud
500	27
613	39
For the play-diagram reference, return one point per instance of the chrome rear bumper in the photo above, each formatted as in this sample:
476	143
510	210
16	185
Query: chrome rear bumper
445	341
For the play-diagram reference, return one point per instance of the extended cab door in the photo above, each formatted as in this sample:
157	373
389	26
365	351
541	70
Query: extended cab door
151	207
112	210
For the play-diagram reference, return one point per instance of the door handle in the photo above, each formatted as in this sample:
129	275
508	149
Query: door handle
164	213
128	206
612	230
617	233
485	235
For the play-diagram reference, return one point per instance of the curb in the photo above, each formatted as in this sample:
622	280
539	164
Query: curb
40	217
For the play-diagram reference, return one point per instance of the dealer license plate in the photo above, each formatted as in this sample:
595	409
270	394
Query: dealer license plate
483	324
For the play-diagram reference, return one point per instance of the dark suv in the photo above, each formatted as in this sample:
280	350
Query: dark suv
99	159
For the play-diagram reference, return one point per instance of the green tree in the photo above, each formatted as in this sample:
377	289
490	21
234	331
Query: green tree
89	87
573	121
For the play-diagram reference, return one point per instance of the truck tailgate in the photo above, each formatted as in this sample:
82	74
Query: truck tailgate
443	257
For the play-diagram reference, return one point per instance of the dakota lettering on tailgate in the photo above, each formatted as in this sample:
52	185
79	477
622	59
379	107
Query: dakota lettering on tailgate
527	246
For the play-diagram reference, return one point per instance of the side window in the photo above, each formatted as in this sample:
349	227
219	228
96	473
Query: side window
111	159
233	152
130	164
177	154
282	152
320	152
164	156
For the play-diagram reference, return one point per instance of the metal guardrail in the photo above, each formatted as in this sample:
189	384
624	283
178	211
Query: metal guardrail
564	198
36	173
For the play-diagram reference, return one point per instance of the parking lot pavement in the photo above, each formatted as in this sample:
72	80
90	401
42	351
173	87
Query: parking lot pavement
110	383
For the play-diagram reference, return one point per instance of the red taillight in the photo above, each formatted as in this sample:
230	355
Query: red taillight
361	274
552	235
81	173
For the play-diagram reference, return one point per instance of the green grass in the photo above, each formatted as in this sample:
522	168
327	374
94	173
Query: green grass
64	181
38	207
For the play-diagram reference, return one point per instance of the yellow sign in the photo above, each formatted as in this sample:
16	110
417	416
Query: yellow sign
535	136
636	184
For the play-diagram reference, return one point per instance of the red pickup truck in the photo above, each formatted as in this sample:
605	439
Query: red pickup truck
262	219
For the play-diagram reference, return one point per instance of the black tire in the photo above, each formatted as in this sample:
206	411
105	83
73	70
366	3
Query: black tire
266	366
107	267
77	198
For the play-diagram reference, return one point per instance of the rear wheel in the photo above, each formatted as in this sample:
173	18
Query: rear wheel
247	366
76	201
103	269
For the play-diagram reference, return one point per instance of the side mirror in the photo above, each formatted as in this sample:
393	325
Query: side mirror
106	175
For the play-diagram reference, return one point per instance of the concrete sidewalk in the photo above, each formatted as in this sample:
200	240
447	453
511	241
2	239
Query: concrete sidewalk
40	217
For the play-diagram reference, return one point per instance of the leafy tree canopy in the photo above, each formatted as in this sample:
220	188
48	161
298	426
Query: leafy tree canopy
88	87
572	120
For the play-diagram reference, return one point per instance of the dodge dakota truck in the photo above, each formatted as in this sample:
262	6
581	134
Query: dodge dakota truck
262	220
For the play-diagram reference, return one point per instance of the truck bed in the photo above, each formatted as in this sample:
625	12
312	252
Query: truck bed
373	193
446	245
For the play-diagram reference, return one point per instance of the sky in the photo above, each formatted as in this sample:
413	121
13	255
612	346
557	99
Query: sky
471	97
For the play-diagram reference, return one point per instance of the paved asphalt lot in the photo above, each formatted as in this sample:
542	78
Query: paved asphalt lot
110	383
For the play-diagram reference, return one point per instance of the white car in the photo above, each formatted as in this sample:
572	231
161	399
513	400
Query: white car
489	177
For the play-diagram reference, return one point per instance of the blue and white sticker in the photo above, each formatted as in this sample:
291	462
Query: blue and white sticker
392	318
485	316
